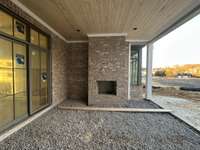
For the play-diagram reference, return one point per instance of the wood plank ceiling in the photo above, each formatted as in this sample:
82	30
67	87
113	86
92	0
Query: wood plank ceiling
141	19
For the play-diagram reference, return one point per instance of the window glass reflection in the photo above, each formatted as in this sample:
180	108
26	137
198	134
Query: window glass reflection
43	41
20	80
6	23
19	29
6	83
34	37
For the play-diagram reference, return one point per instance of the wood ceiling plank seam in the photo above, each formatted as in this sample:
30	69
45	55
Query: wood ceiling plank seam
77	18
165	15
93	15
95	23
82	19
100	11
120	17
88	20
104	8
124	15
130	23
67	26
183	19
148	29
171	18
136	24
108	16
151	21
142	19
74	33
60	7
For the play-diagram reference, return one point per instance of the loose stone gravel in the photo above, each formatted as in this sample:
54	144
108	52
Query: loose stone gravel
82	130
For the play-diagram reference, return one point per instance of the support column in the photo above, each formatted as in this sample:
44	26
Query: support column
149	70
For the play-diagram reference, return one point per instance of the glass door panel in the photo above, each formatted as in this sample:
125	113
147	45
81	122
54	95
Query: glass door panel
44	85
6	23
39	82
20	80
6	83
35	79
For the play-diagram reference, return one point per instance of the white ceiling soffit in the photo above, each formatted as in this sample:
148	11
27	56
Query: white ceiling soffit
141	19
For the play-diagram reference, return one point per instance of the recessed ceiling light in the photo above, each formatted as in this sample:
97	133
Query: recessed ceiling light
135	28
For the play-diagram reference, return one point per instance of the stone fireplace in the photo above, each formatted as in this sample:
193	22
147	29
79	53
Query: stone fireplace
108	60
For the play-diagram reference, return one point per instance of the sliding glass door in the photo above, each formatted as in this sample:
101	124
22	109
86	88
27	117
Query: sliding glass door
23	69
13	81
38	79
20	80
6	82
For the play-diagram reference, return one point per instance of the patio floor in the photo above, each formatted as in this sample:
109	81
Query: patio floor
187	110
61	129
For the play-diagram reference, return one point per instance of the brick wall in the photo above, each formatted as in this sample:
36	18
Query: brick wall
137	92
78	71
59	55
108	61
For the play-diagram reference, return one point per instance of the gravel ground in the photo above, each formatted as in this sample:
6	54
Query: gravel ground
82	130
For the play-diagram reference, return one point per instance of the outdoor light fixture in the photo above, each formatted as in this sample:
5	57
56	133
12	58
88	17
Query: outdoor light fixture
135	28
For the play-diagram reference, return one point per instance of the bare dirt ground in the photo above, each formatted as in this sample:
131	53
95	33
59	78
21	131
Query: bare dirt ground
170	87
171	91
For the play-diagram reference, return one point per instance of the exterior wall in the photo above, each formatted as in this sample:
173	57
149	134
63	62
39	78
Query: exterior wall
78	71
58	55
137	92
59	70
108	61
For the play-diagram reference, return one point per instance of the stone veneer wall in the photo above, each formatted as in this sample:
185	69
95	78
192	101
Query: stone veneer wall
78	71
59	70
58	55
108	61
137	92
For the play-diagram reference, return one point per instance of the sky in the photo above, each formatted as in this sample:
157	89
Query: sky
181	46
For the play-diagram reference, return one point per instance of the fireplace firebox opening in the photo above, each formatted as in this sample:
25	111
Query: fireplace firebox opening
107	87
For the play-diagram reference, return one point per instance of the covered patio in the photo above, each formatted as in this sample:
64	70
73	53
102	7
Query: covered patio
84	89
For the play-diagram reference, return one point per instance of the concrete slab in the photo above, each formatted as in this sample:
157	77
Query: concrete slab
186	110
